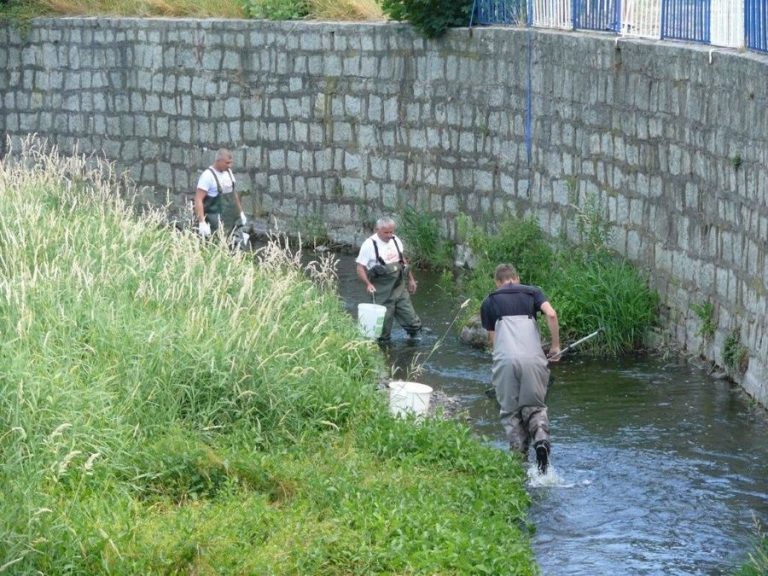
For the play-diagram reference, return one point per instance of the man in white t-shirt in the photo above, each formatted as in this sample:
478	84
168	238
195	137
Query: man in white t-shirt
216	182
384	270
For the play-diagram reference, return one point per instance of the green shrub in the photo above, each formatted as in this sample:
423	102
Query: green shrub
277	9
605	292
431	17
706	314
757	565
426	246
735	354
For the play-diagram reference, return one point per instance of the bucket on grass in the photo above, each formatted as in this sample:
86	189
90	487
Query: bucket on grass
409	398
370	319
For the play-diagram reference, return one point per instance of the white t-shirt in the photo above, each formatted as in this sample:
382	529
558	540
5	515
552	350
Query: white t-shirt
208	183
387	251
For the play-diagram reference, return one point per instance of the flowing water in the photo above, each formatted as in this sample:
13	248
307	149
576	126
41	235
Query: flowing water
657	468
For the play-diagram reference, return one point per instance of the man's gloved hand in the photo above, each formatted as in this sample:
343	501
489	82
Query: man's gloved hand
204	228
243	220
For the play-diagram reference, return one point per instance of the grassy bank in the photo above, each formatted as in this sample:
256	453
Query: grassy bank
340	10
167	407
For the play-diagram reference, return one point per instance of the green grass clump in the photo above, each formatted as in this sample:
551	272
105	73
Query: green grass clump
354	10
167	406
757	565
426	245
602	292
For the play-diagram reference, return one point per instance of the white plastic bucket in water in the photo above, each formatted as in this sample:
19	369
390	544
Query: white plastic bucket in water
409	398
370	319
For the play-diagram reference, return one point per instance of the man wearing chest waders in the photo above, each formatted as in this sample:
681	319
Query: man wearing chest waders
520	372
384	270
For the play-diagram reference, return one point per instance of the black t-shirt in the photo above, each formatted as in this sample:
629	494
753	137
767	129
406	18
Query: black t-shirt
511	300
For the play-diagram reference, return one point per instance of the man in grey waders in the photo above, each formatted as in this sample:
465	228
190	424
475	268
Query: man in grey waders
384	270
520	372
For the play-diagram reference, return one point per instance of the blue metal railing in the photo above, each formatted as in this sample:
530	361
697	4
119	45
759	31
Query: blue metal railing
603	15
686	20
499	12
680	19
756	24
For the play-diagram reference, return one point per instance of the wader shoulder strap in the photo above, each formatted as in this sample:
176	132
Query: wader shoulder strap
376	249
399	252
218	184
397	246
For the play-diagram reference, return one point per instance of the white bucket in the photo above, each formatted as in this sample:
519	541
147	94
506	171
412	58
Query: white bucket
409	397
370	319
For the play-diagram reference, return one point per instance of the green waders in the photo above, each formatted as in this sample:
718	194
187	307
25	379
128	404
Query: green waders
212	206
391	292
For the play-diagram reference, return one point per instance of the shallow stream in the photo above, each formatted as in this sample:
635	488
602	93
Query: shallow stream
657	468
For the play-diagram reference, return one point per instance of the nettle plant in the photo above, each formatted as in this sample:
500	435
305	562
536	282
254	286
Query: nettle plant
431	17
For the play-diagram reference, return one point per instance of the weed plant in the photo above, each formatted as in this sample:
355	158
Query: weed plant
757	565
426	246
602	291
167	406
430	17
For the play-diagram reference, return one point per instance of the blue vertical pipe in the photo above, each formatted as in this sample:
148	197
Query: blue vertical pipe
529	87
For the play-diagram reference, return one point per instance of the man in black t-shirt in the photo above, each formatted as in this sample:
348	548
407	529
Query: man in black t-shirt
520	372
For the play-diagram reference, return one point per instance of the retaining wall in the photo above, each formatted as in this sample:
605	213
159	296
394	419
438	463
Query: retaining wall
334	124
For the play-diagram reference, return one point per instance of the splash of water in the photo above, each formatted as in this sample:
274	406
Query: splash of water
549	480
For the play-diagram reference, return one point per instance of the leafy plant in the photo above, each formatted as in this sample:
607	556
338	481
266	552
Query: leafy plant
758	558
277	9
735	354
589	286
593	229
426	245
431	17
706	314
605	292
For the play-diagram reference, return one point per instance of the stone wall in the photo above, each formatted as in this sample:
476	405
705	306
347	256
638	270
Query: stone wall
333	124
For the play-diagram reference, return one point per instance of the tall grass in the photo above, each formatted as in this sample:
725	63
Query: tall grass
139	8
425	243
167	406
364	10
757	565
340	10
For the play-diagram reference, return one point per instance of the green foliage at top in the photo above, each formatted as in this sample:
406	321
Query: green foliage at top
426	246
276	9
431	17
167	407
